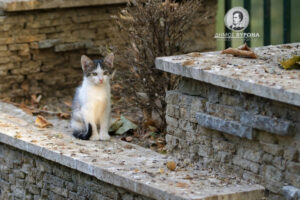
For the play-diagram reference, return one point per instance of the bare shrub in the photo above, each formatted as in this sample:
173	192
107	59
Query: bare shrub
154	28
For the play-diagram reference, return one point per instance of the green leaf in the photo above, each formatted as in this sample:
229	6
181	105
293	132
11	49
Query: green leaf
115	125
126	126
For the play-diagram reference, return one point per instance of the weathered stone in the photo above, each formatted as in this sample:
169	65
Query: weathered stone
273	149
226	126
15	47
73	46
220	145
205	151
271	173
210	68
293	167
48	43
245	164
290	154
291	193
273	125
255	156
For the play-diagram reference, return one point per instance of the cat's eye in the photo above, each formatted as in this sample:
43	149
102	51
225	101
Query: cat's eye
94	74
105	72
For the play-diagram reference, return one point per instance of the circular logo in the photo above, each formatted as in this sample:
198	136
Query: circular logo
237	19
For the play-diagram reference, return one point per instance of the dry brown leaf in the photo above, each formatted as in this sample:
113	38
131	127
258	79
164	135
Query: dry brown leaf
171	165
195	54
64	115
18	135
25	86
42	122
33	141
182	185
128	139
136	170
36	99
242	51
68	103
188	177
188	62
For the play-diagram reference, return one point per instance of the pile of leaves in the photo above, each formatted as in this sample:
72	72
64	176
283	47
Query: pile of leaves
154	28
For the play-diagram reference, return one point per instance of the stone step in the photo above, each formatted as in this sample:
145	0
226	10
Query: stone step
121	164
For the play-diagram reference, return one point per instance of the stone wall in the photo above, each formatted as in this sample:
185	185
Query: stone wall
26	176
249	136
41	42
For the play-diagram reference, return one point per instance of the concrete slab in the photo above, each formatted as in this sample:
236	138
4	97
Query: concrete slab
262	76
119	163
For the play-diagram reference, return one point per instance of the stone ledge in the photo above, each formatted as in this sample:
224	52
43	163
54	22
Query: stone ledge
26	5
261	77
121	164
226	126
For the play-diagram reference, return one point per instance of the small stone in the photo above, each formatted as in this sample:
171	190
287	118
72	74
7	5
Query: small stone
291	193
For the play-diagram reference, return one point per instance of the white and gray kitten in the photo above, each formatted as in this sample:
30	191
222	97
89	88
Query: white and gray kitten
91	104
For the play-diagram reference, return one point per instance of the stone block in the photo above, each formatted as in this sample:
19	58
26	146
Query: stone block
293	179
223	111
15	47
246	164
272	173
29	38
221	145
293	167
73	46
205	151
252	155
6	41
226	126
291	193
274	149
279	163
290	154
172	121
266	123
44	44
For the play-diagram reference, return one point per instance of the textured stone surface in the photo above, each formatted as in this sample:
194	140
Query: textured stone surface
273	125
226	126
291	193
261	76
120	164
270	158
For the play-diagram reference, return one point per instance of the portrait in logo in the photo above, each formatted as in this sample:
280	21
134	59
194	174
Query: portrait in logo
237	19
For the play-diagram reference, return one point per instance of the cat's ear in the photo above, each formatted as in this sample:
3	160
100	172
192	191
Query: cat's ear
86	62
109	60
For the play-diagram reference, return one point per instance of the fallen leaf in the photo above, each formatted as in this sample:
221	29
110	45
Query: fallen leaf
126	126
68	103
194	54
161	170
18	135
171	165
242	51
25	86
136	170
128	139
115	125
188	62
33	141
182	185
42	122
36	99
188	177
63	115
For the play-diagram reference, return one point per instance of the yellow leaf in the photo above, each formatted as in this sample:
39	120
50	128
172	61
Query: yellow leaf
42	122
171	165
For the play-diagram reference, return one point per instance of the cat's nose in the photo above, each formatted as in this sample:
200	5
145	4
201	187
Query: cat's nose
101	81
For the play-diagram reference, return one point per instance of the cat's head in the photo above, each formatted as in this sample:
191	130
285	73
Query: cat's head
94	72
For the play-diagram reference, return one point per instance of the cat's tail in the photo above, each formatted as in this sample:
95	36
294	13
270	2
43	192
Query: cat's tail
83	134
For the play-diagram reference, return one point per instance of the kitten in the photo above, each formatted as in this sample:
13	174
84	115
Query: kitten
91	104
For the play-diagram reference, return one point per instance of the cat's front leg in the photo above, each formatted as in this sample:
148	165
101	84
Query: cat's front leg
90	119
104	125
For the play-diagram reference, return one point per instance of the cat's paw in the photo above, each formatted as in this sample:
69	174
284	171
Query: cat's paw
104	136
95	137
